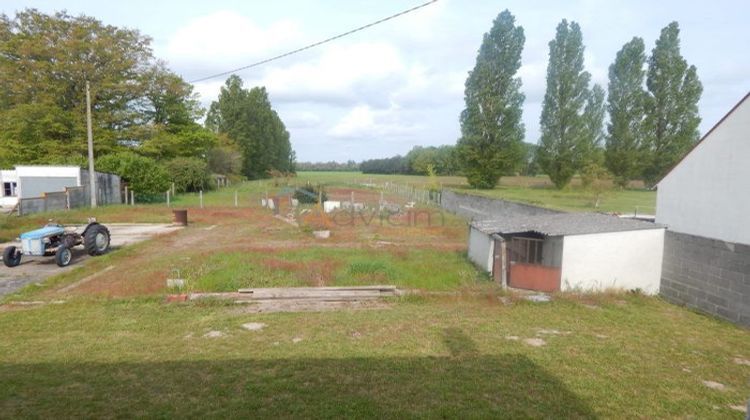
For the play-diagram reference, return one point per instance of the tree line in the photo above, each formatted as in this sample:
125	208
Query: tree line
145	116
651	104
421	160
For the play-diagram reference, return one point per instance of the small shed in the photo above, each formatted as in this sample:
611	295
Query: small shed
569	252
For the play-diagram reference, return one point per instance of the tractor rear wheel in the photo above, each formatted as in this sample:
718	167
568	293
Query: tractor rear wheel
11	256
96	240
63	256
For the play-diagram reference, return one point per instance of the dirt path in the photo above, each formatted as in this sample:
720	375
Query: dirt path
36	269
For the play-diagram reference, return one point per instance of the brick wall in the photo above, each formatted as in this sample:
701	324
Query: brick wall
710	275
474	207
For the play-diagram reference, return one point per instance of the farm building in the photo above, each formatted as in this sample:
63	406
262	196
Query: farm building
569	251
704	201
34	181
40	188
708	193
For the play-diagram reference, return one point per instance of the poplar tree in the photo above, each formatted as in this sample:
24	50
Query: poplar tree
246	117
571	113
672	106
626	106
491	128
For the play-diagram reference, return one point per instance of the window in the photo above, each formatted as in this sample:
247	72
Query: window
526	250
9	189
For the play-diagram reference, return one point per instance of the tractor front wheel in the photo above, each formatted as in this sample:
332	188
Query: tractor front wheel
63	256
96	240
11	256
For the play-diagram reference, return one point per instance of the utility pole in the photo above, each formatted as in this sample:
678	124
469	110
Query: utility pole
92	174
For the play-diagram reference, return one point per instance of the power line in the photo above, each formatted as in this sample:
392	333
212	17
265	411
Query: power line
307	47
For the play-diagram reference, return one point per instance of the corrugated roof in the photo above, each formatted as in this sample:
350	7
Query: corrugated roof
563	224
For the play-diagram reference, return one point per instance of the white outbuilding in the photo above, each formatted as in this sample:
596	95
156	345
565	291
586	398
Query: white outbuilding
708	193
34	181
570	252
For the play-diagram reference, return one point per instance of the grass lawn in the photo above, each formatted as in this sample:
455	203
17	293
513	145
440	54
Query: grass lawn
612	356
109	346
537	190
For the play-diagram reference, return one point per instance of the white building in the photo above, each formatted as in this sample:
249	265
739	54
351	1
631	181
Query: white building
34	181
570	252
708	193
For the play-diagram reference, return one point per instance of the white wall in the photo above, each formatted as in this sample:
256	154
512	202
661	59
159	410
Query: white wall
708	194
481	248
46	179
620	260
7	176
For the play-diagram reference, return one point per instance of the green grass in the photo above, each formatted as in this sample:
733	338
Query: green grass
577	199
627	357
533	190
227	272
456	354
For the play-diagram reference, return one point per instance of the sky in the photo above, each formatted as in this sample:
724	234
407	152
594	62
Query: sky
400	84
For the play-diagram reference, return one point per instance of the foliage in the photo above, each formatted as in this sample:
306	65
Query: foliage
393	165
310	194
331	166
189	174
571	113
225	158
189	141
45	61
626	107
491	128
442	159
246	116
530	164
672	118
143	175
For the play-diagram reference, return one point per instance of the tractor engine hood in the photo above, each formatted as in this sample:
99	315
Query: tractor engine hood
42	233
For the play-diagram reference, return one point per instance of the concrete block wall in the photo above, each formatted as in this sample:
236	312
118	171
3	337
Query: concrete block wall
709	275
108	192
474	207
31	206
107	185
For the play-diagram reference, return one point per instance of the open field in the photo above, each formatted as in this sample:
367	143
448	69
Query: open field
100	341
620	356
537	190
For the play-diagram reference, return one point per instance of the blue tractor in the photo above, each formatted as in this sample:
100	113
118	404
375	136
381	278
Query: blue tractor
54	239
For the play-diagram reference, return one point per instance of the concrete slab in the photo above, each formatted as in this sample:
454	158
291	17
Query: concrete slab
34	270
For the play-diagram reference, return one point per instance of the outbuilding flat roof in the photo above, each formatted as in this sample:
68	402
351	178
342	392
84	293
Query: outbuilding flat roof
563	224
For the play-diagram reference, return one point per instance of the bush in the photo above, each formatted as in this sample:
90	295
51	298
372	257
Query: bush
189	174
144	176
309	194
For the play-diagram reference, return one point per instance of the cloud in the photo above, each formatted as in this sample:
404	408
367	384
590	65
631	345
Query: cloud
363	122
225	39
301	119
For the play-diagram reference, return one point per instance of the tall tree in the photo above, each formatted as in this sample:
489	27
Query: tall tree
570	109
45	61
593	120
672	107
626	107
246	116
491	128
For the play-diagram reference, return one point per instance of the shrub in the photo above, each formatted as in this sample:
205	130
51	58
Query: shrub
144	176
189	174
309	194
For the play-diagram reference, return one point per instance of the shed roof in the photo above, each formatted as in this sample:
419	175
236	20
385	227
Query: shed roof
563	224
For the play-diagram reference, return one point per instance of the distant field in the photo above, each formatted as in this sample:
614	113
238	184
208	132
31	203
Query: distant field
537	190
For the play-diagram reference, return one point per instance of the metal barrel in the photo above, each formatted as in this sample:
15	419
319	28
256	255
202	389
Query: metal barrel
180	217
